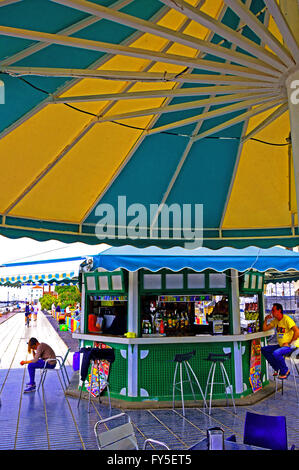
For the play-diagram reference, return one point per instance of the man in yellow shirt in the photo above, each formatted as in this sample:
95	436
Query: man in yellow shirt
287	337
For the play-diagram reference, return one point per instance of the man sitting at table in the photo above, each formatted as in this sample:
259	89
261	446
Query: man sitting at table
287	337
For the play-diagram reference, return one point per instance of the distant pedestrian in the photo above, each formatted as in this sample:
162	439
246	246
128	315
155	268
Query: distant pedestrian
60	315
68	310
53	309
35	312
27	314
41	352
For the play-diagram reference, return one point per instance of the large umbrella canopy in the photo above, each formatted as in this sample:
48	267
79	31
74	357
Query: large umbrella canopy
161	103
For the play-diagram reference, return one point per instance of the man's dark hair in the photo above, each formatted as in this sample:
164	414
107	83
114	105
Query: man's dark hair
32	342
278	307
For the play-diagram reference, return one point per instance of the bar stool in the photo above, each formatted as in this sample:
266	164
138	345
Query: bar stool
219	359
292	355
181	359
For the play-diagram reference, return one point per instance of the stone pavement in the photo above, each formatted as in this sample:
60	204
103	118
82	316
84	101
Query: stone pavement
50	420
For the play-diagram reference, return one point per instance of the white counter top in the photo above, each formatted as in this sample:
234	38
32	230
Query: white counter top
151	339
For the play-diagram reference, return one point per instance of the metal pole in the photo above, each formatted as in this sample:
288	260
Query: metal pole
132	356
235	302
290	10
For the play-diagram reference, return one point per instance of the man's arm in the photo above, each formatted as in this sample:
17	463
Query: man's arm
268	326
36	356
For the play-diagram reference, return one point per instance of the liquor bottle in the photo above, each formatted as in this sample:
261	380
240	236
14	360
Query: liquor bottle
182	321
145	327
169	321
157	322
177	320
149	328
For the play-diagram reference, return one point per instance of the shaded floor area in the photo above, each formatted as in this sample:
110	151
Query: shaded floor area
50	420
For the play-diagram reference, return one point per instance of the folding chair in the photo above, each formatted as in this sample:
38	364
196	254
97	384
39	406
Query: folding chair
104	381
61	367
120	437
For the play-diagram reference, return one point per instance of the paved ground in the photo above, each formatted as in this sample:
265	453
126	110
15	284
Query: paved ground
48	419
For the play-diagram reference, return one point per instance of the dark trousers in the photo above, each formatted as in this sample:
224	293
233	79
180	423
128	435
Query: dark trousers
40	364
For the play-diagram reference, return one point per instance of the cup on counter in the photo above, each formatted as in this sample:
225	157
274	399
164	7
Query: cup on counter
130	334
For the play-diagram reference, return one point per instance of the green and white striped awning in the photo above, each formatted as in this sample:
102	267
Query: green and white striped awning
39	278
41	272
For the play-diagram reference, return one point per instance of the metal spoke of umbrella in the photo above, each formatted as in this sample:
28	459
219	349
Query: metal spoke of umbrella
180	38
228	89
183	7
218	112
127	75
264	33
91	45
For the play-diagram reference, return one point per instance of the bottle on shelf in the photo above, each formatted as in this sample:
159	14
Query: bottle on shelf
161	327
182	322
145	327
169	321
177	321
157	321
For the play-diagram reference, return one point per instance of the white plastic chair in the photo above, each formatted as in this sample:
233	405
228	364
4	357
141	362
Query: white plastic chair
120	437
61	367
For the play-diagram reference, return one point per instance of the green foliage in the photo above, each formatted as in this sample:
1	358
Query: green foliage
46	301
67	295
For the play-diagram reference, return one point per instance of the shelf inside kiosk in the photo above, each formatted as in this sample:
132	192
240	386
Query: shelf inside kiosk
106	314
184	315
249	314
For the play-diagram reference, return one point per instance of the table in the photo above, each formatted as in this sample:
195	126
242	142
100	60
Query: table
228	445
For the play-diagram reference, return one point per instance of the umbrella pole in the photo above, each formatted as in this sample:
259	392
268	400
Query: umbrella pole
290	10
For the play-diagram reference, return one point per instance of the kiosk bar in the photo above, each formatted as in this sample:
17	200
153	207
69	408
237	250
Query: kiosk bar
151	304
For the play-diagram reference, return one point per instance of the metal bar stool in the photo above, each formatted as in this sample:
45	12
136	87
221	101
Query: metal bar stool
181	359
219	359
294	371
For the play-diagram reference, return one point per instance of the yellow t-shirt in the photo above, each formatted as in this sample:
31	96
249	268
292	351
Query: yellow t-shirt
284	330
